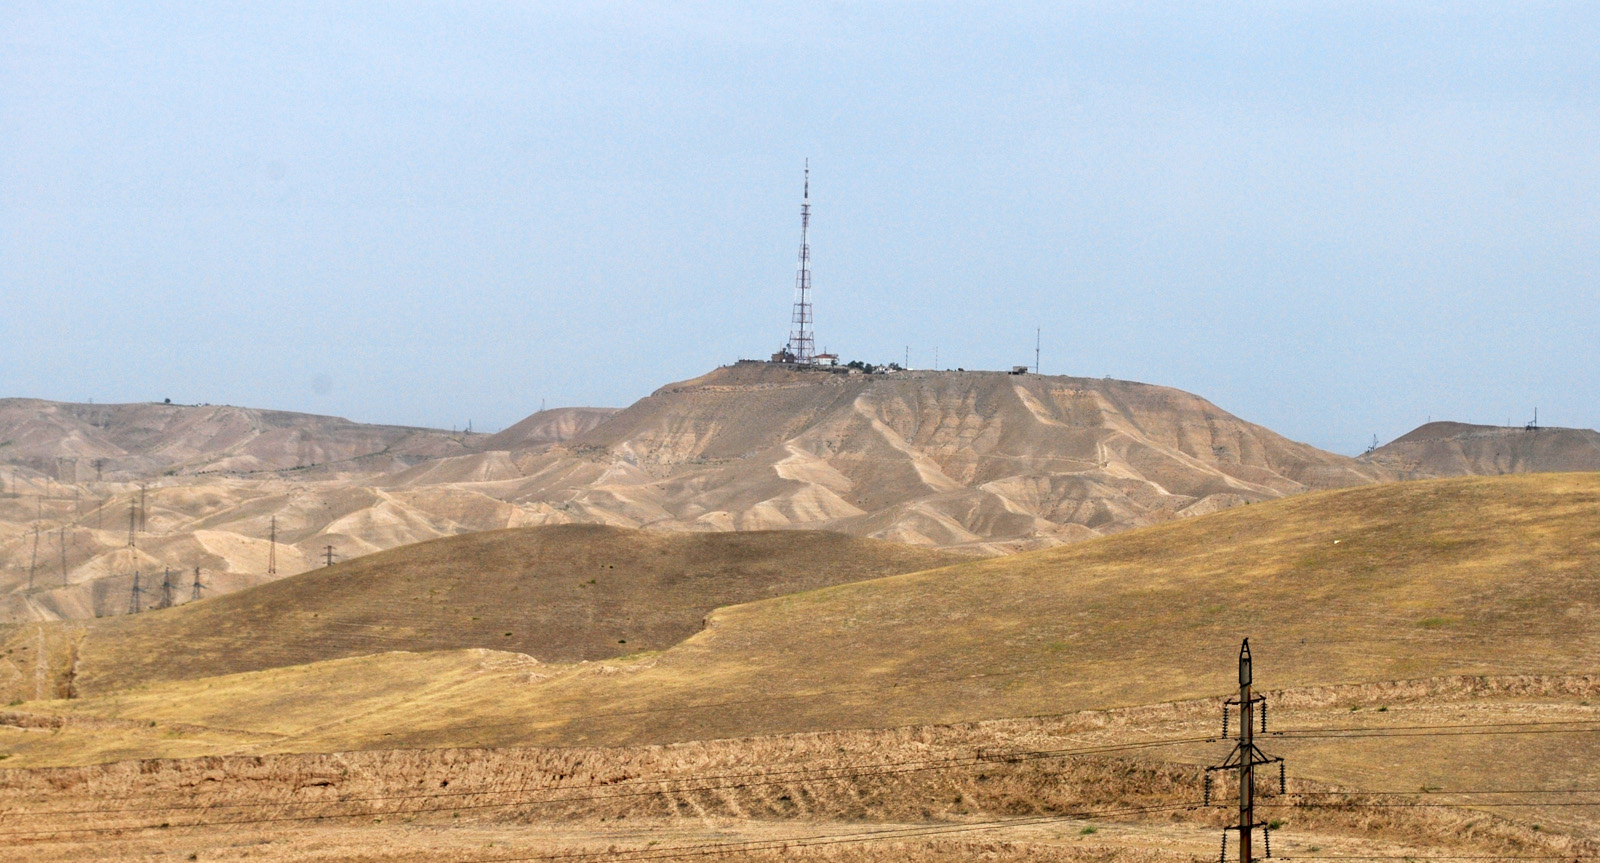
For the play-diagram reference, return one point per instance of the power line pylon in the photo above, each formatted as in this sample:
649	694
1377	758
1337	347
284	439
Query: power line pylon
166	588
328	550
197	587
133	518
143	511
34	564
63	537
802	341
1244	759
134	606
272	547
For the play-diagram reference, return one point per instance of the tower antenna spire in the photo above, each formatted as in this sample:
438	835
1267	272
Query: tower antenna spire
802	341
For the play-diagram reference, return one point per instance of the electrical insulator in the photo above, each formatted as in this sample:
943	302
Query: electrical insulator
1224	720
1283	778
1263	716
1223	858
1266	836
1208	790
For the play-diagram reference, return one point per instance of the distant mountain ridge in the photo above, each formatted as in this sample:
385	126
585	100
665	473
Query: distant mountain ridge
1441	449
985	462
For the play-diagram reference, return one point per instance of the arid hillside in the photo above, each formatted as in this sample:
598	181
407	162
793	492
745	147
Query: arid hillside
73	443
980	459
1427	649
983	462
1459	449
1442	580
562	593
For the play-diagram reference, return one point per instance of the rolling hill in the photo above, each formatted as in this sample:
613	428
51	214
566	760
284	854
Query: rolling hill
985	462
1442	449
1062	702
977	459
1441	583
563	593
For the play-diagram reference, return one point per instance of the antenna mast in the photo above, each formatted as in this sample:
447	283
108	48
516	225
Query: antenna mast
802	341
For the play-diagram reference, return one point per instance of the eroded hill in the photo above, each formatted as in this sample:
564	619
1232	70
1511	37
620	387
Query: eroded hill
979	461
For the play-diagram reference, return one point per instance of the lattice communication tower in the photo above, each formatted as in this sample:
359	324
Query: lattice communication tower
802	341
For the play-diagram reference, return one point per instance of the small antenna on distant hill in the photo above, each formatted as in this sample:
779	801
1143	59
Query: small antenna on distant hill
1533	425
1036	336
197	587
272	548
1373	446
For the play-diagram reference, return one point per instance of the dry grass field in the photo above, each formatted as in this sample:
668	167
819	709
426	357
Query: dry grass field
561	593
1433	641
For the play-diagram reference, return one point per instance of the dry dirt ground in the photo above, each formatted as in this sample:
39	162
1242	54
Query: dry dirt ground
1421	770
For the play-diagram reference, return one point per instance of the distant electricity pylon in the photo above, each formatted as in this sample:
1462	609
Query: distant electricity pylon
63	538
802	341
197	587
133	598
1244	759
34	564
144	512
272	548
133	518
166	588
328	550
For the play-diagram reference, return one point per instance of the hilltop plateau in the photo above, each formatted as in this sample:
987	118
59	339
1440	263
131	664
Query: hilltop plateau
1441	449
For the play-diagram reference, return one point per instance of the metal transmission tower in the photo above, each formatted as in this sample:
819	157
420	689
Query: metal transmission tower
143	512
1244	759
35	562
133	518
272	548
133	599
802	341
197	587
166	589
63	537
328	551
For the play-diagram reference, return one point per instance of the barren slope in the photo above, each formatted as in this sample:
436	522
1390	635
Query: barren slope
559	593
1458	449
1393	582
980	461
940	458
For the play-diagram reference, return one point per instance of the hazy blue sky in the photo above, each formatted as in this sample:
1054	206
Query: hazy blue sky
1335	219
